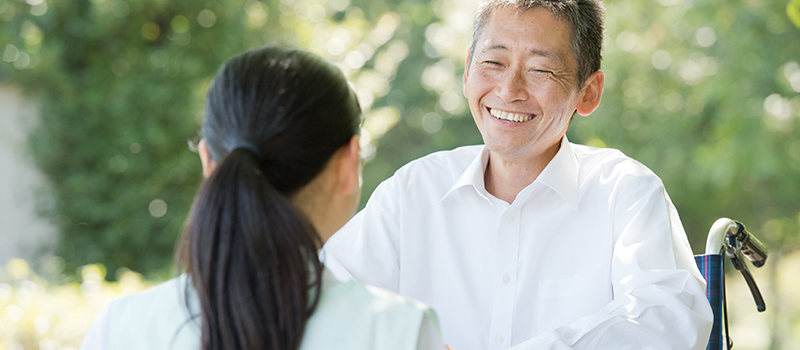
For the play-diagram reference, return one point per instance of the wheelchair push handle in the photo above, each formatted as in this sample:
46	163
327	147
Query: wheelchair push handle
730	238
728	233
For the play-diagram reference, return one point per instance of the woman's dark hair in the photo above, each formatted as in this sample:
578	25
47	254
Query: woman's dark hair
273	119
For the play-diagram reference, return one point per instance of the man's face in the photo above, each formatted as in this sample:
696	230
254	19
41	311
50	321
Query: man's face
522	83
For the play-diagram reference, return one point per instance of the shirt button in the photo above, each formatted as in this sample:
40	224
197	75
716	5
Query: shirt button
510	219
500	339
506	279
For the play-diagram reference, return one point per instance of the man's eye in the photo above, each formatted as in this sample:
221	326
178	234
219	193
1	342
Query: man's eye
492	63
541	71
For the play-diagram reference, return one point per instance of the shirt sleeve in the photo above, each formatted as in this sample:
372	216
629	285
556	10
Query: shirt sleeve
659	295
97	336
366	247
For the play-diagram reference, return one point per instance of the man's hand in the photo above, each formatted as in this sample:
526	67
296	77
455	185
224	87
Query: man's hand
449	347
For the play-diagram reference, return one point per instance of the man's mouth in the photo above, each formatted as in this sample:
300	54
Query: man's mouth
510	116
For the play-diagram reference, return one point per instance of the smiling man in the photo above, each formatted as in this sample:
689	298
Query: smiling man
530	241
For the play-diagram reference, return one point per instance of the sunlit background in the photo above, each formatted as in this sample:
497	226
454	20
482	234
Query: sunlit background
97	99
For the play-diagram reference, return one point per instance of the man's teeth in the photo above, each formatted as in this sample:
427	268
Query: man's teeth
510	116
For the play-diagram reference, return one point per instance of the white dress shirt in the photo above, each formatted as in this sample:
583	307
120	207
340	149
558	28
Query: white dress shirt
349	316
591	255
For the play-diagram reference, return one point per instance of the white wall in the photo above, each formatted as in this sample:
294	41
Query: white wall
23	233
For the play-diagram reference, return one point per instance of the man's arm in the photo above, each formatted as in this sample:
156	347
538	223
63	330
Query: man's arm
659	298
366	247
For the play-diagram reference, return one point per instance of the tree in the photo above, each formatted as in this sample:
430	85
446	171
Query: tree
121	86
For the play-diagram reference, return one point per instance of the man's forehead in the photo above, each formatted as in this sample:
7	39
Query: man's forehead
508	18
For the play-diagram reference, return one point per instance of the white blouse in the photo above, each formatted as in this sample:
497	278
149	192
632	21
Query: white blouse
348	316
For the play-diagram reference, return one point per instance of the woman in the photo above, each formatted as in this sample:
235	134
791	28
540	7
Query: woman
280	154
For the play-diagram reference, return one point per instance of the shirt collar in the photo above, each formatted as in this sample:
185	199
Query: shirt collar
473	176
561	175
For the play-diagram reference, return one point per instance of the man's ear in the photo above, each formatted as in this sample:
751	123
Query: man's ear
589	96
349	168
466	72
205	158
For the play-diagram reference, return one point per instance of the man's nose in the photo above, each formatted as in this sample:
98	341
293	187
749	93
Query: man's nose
513	86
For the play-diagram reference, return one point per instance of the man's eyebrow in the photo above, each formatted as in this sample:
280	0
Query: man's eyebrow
495	46
534	52
546	53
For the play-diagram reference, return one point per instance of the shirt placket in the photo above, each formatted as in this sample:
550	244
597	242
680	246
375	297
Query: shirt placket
504	281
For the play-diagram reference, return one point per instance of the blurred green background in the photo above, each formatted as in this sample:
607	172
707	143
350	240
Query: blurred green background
704	92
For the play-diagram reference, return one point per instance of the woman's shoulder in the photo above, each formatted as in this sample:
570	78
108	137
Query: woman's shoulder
351	315
156	317
353	295
165	301
167	291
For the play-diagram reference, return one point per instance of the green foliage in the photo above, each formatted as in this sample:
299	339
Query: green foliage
40	315
707	94
121	88
793	11
704	92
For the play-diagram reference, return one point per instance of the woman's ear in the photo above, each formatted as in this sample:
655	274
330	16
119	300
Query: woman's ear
589	96
349	169
205	158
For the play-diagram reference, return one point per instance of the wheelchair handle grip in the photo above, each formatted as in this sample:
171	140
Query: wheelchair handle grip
751	282
737	260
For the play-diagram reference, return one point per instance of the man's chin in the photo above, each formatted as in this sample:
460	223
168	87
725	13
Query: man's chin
510	151
522	152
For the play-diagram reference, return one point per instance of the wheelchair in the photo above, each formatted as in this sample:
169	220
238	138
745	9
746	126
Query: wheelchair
728	239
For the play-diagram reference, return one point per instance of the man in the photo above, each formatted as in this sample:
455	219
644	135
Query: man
530	241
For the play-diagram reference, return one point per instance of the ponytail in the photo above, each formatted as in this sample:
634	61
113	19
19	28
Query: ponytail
274	117
252	257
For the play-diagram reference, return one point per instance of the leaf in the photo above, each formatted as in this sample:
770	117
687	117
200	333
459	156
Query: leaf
793	11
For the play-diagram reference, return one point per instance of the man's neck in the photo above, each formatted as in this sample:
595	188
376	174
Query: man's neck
506	176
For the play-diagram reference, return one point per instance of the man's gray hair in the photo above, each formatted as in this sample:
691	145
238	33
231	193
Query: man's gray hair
585	18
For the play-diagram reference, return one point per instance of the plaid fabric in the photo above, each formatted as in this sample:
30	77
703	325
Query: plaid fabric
711	266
